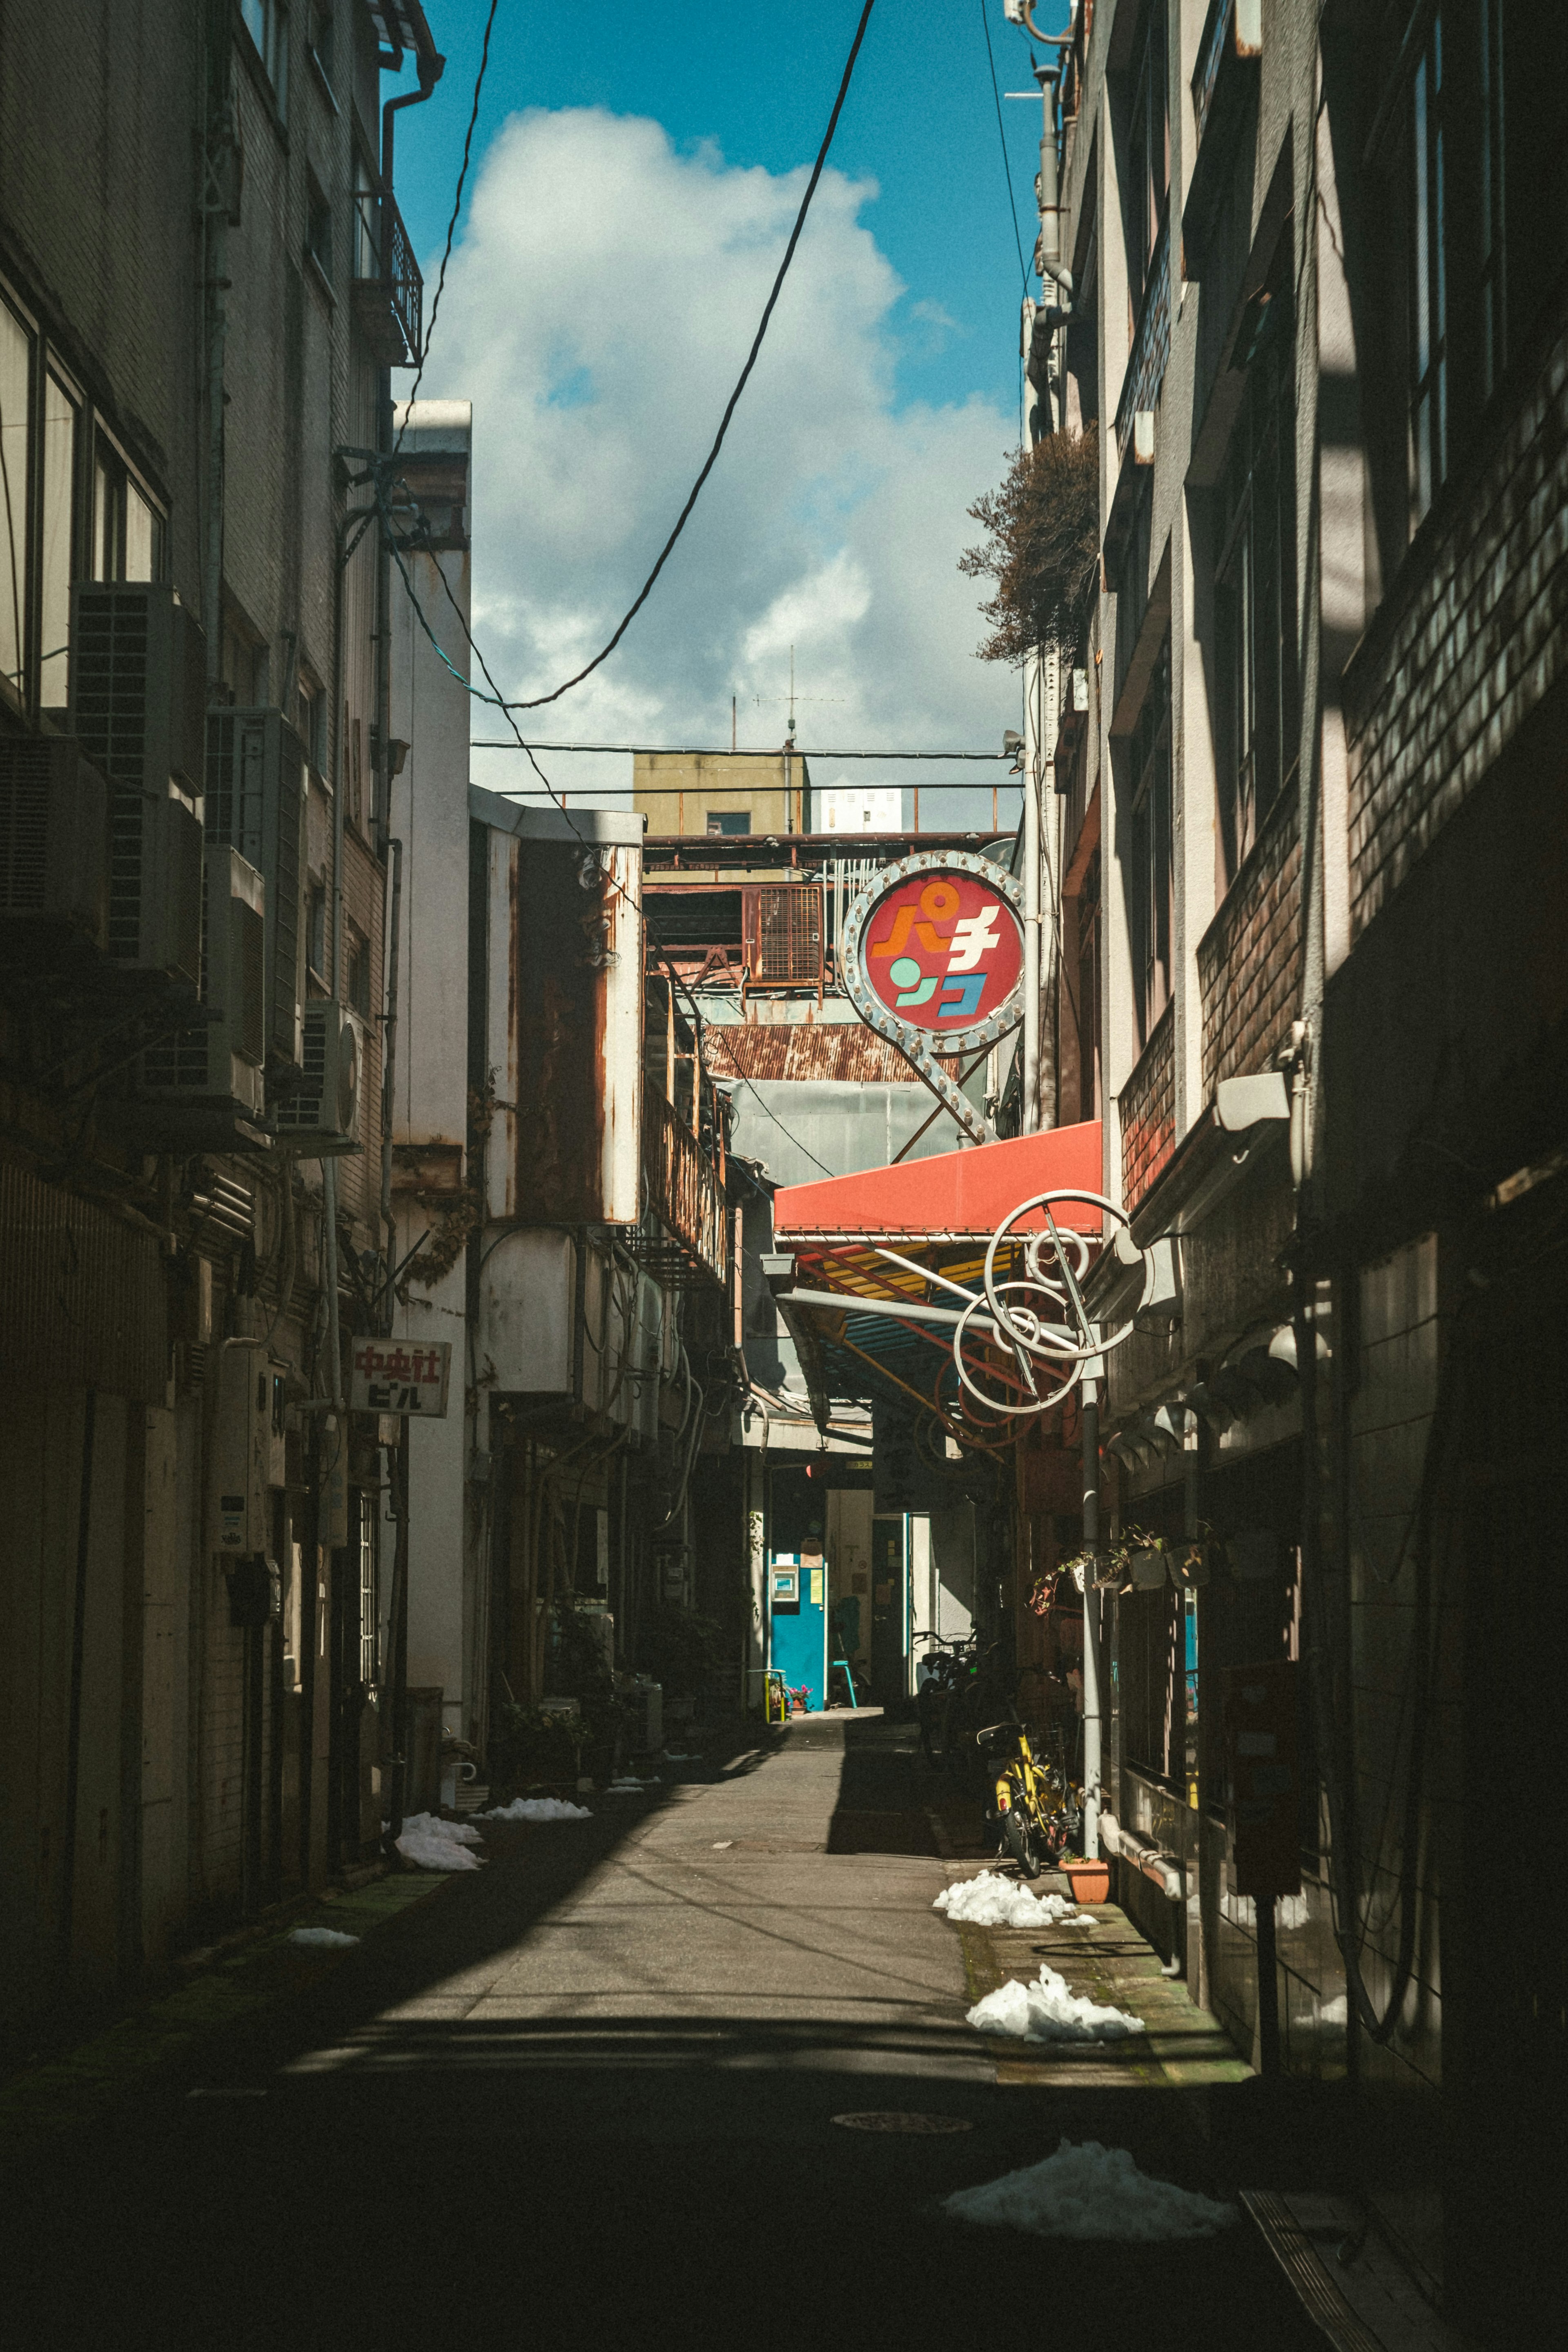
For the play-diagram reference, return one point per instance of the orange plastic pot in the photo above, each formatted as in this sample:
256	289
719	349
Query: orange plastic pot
1089	1881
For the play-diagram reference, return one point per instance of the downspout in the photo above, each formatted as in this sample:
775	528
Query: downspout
1093	1608
1030	1105
431	67
389	1070
219	193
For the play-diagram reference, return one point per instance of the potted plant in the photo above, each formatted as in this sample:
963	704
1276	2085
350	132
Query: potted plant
1089	1881
799	1700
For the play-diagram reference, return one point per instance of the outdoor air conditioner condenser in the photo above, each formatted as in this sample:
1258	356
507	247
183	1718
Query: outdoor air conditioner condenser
322	1118
54	842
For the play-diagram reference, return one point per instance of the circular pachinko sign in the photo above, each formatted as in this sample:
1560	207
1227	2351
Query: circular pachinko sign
936	946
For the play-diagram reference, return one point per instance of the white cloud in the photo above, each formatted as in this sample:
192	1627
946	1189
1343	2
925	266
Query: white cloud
596	313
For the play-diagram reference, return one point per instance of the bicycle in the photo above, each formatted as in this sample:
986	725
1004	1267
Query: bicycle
981	1687
1034	1802
946	1663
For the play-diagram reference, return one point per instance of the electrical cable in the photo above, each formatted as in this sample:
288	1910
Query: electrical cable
643	594
561	804
451	230
1000	133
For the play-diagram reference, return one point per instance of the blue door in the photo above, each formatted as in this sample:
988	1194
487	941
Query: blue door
797	1624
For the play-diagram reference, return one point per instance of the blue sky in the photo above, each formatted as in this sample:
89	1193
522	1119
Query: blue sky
758	82
928	328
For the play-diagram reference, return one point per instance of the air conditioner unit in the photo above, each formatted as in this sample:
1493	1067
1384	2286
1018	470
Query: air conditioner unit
54	842
138	684
155	885
215	1065
255	801
321	1117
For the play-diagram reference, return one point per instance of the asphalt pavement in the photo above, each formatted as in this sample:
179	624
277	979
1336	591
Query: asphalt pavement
593	2092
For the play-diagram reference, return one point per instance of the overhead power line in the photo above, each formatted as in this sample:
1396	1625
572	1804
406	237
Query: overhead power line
645	589
680	752
1002	134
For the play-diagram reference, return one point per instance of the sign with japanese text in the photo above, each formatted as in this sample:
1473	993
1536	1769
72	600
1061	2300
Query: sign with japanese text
942	951
401	1376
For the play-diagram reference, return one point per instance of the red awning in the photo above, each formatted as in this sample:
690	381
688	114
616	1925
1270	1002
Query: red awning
956	1196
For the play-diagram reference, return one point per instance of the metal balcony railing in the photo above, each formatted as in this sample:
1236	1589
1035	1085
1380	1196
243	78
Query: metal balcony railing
388	290
1151	344
684	1196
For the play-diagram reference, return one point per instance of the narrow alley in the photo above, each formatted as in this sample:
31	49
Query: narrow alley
609	2071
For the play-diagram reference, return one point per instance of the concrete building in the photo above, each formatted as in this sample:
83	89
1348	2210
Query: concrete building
191	724
1305	284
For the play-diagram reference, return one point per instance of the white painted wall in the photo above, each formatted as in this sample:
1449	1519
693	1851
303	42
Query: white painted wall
429	816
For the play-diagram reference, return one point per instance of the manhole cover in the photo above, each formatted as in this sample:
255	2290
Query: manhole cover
895	2119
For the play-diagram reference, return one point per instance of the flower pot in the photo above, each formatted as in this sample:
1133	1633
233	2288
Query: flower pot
1089	1881
1147	1569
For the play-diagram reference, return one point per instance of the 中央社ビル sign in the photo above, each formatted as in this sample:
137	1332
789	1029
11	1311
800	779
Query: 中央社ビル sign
400	1376
935	946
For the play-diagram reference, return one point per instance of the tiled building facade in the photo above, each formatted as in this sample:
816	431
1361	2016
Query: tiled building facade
1314	834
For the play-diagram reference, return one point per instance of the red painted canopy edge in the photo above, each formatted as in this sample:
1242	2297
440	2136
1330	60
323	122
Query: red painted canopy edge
955	1194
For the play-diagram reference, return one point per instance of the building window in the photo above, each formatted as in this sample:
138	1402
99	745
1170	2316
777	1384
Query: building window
1255	588
369	1599
318	227
15	547
316	932
729	821
1152	854
1427	285
127	528
358	970
321	47
1148	148
267	22
311	720
1472	190
40	445
367	220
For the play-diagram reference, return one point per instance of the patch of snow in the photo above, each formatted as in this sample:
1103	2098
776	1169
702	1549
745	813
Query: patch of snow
1090	2191
538	1808
431	1844
993	1901
435	1854
678	1756
1046	2012
431	1825
330	1939
627	1782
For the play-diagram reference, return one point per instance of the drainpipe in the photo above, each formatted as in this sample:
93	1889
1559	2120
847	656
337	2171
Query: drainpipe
389	1070
1030	1105
430	67
221	165
1050	252
1093	1605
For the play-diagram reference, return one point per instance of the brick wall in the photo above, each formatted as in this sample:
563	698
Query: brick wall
1249	958
1471	649
1148	1107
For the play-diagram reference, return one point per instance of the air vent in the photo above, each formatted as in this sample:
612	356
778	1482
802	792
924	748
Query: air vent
53	842
785	946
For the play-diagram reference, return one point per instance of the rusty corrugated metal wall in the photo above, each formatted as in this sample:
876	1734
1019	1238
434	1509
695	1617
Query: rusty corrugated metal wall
845	1050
